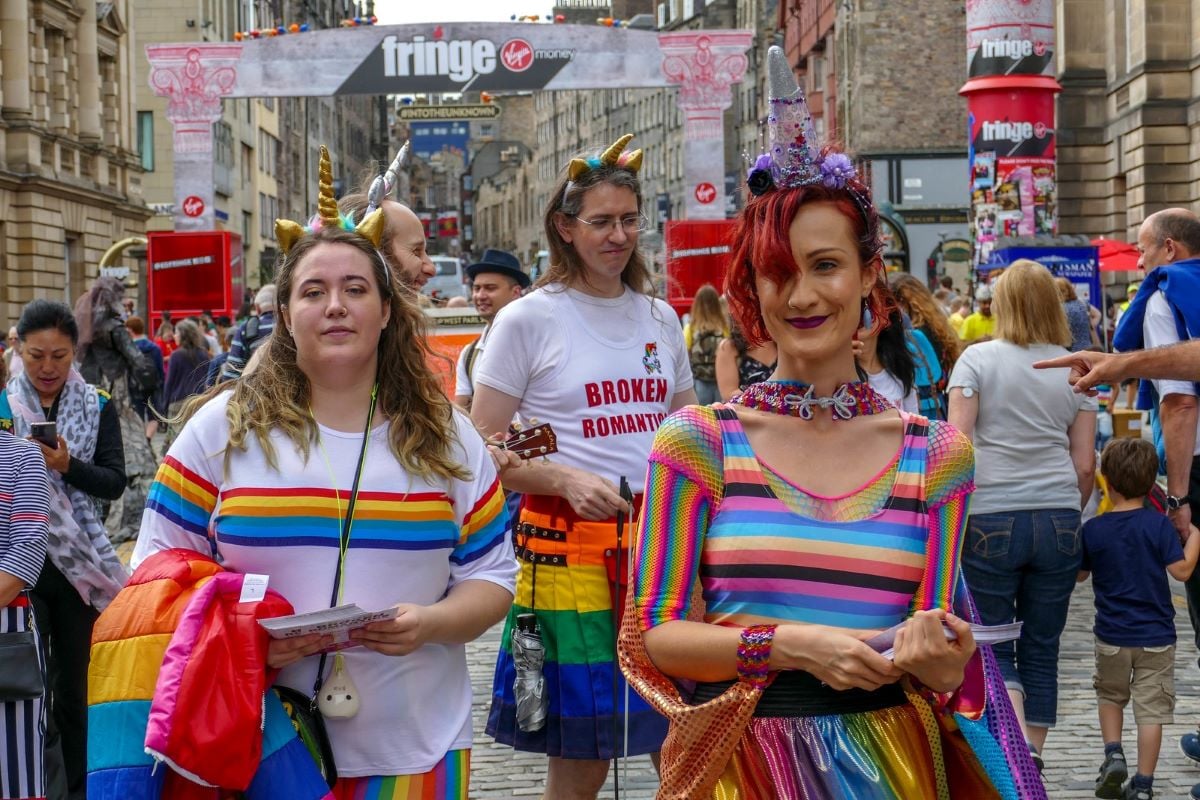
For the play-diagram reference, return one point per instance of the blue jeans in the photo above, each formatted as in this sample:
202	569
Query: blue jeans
1022	565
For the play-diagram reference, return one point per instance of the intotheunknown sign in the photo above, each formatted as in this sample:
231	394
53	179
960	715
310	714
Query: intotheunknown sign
450	57
440	113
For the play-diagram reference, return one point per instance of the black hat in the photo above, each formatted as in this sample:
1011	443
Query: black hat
501	263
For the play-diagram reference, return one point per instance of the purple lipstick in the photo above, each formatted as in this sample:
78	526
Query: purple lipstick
805	323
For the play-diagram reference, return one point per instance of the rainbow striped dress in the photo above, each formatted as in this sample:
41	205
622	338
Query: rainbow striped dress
764	551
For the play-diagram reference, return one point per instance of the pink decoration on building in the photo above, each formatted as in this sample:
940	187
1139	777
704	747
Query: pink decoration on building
704	64
193	78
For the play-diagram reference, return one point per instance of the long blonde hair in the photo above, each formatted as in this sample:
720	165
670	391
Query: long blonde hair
276	395
707	314
1027	307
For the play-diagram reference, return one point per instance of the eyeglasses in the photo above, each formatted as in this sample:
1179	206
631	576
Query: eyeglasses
634	223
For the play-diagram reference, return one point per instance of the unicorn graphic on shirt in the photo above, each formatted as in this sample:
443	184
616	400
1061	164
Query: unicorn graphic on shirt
651	361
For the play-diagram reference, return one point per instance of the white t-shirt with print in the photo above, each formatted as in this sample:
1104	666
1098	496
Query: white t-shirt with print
411	541
601	371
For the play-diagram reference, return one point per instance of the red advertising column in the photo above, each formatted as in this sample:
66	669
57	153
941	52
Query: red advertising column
1010	107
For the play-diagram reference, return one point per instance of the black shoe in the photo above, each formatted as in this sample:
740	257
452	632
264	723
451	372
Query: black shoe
1113	773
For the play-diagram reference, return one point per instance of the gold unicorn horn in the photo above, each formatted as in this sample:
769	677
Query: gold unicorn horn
287	233
371	228
614	152
576	168
634	161
326	202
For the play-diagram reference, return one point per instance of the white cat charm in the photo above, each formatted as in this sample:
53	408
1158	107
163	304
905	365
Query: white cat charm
339	696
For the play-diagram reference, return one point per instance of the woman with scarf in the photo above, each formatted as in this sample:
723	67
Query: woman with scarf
109	360
786	529
82	573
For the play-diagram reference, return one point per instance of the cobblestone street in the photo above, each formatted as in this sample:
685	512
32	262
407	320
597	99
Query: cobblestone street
1073	751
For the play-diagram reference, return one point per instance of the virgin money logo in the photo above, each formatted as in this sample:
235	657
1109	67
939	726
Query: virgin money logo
516	55
193	206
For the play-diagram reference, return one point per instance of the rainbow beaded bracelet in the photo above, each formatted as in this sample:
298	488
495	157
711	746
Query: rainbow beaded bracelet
754	654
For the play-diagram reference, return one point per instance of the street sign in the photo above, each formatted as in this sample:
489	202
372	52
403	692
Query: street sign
467	111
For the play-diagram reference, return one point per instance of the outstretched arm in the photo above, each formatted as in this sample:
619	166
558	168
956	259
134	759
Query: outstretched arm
1090	369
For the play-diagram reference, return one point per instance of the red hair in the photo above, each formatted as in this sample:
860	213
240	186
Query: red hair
761	238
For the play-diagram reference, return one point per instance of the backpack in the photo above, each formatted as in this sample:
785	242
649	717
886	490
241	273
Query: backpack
703	355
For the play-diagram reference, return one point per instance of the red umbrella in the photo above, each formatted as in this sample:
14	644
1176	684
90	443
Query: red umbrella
1116	256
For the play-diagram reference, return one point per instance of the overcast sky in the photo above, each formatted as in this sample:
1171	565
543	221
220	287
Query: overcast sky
395	12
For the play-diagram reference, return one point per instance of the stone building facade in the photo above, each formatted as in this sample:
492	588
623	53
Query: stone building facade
70	176
884	82
567	124
1128	121
265	149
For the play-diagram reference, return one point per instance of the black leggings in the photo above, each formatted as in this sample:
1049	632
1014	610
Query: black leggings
66	625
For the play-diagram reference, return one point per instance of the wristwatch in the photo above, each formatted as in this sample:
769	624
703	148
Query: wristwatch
1175	503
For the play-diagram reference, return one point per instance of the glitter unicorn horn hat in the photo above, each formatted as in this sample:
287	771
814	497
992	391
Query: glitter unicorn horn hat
794	157
382	187
287	232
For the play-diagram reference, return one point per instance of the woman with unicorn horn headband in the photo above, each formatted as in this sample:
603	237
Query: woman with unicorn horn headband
340	468
594	354
795	532
403	240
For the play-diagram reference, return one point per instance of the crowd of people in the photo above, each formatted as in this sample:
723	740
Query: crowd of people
736	512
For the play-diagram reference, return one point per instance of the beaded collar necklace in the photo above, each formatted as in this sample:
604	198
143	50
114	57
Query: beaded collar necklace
797	399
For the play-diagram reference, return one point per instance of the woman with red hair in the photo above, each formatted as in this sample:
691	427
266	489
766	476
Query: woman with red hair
786	531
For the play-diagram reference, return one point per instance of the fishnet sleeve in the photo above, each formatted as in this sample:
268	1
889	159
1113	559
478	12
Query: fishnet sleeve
684	482
951	470
950	480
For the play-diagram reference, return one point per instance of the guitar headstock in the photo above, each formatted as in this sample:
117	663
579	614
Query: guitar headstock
540	440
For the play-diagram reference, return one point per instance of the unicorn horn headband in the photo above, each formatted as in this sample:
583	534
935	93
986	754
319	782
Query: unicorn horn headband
794	156
381	187
287	233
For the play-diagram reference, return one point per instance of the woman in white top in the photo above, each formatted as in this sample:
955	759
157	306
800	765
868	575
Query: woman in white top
888	362
591	352
340	469
1034	442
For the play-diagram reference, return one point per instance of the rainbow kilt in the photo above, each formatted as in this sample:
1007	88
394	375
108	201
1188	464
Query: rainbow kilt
575	614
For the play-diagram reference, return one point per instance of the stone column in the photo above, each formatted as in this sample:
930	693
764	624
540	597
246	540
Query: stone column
87	65
704	64
14	58
193	78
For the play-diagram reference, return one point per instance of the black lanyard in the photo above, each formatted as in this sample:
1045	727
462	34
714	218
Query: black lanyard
344	538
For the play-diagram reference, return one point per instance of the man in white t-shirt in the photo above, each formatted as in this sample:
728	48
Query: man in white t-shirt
496	280
1170	237
1166	311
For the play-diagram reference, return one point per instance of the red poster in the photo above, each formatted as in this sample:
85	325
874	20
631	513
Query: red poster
697	253
194	272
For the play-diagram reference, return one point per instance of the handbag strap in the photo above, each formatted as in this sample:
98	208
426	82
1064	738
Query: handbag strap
344	538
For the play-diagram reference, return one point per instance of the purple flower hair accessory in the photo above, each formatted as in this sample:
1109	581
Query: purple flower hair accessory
836	170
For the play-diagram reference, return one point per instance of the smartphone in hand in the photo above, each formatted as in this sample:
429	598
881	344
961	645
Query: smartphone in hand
46	433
